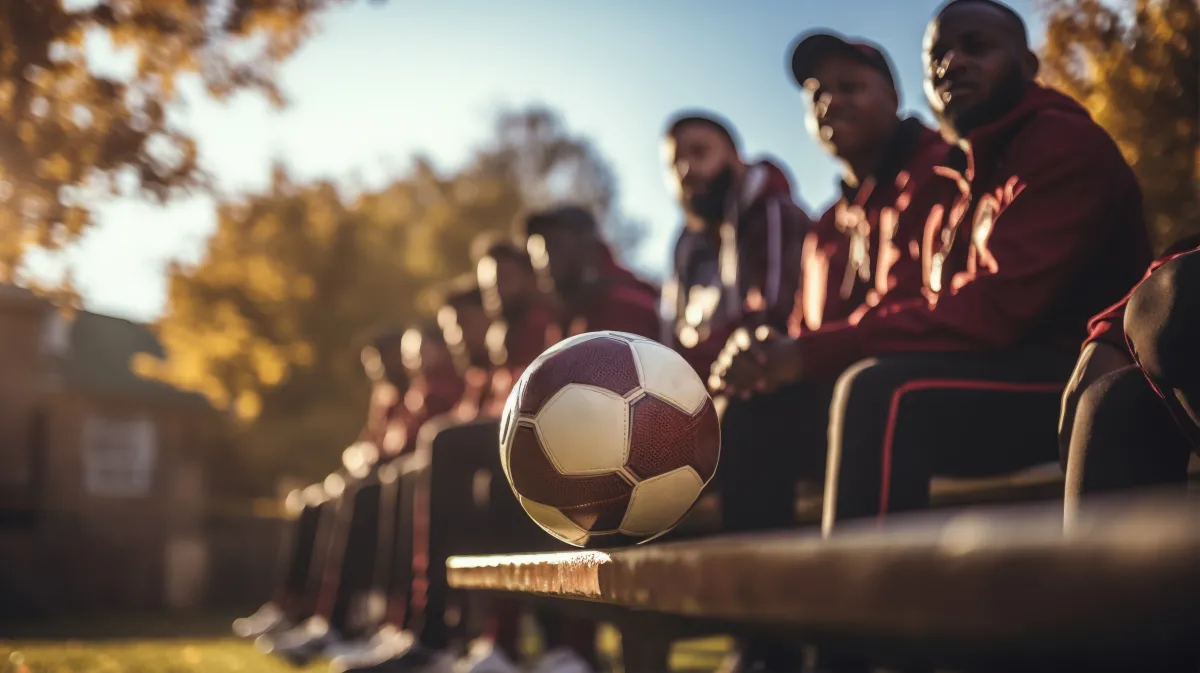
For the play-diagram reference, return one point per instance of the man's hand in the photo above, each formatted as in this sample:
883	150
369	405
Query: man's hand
761	362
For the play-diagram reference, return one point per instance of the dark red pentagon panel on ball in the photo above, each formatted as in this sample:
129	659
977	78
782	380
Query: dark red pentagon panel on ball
593	503
602	362
663	438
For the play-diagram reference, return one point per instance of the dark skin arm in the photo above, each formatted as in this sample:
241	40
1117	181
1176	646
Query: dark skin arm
764	362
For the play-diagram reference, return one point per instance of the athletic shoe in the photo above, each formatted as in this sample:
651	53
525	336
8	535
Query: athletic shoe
268	619
561	660
386	637
387	643
484	657
416	659
301	644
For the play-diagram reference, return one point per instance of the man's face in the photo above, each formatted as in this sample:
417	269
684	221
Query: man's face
698	154
562	251
435	356
513	283
473	324
385	362
852	106
393	364
975	66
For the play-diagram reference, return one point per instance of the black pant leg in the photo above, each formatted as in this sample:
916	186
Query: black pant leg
299	551
1123	437
462	478
897	421
348	614
768	443
400	569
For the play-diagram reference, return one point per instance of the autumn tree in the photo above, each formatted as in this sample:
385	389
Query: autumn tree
1135	64
72	133
269	323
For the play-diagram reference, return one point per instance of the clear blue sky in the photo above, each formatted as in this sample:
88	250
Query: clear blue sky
382	82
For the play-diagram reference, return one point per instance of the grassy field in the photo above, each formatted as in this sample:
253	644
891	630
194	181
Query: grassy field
214	655
133	645
199	645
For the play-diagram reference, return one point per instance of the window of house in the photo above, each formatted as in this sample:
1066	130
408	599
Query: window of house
119	456
56	334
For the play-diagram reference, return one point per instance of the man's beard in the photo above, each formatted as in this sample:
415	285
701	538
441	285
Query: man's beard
1006	96
710	204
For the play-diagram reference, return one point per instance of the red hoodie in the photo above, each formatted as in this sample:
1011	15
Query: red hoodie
388	420
526	337
1109	326
745	274
868	244
432	394
1041	229
529	334
617	301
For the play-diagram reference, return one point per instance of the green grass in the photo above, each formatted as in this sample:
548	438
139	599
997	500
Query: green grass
203	645
210	655
133	644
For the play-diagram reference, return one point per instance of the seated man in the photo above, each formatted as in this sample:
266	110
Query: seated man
348	572
465	326
1040	228
526	317
1131	413
864	248
597	292
437	385
389	382
737	260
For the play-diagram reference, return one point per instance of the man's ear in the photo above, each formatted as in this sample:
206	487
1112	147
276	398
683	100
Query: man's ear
1030	65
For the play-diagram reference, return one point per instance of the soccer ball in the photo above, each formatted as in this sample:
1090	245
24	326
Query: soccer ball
608	438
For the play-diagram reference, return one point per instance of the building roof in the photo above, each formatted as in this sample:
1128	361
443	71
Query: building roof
99	360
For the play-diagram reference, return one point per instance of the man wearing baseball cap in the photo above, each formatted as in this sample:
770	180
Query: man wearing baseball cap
864	247
1038	227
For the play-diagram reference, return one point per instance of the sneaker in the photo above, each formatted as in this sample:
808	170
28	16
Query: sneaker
484	657
387	643
301	644
561	660
415	659
267	619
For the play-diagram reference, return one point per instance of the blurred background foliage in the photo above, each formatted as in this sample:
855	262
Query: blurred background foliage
267	325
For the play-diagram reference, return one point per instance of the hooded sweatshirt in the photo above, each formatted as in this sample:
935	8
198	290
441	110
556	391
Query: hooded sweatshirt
1109	326
744	274
1039	228
867	245
618	300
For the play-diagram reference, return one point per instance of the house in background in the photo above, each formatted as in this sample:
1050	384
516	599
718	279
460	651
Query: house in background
103	474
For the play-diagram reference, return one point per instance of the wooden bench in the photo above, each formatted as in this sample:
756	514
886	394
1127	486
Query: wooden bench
986	589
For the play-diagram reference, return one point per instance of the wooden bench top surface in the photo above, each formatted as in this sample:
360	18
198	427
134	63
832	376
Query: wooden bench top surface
1000	574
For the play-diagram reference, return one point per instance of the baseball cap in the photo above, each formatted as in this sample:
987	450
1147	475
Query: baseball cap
811	48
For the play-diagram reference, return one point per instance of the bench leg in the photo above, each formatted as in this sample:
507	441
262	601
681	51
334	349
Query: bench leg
645	646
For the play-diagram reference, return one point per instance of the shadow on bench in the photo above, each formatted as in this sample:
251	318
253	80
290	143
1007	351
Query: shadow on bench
984	589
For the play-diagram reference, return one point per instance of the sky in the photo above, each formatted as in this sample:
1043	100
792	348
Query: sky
382	82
